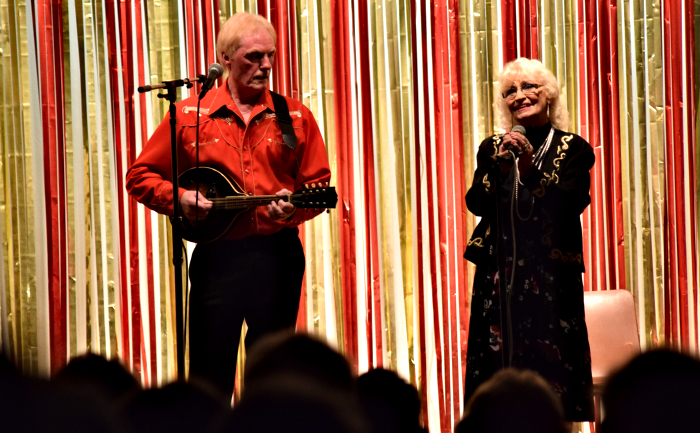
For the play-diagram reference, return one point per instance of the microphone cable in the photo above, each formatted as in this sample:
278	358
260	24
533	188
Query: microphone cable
538	160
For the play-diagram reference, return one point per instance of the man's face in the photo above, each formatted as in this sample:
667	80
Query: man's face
250	65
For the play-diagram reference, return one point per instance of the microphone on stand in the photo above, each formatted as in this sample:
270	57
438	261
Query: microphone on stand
521	130
215	71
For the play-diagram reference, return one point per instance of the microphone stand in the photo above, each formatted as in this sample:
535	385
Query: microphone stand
504	298
176	218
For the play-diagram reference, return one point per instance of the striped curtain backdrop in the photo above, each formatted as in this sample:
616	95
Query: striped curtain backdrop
403	92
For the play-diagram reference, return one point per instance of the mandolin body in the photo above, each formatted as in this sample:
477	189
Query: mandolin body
213	184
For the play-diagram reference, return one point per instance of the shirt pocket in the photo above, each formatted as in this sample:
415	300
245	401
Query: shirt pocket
283	159
213	148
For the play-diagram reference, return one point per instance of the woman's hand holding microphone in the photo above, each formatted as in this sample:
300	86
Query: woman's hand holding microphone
516	142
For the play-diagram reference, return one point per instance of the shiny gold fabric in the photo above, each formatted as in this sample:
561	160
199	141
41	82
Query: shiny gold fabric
17	182
479	42
323	272
98	293
643	145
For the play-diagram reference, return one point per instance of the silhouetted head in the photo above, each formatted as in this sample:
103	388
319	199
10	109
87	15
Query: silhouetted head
18	401
296	383
513	401
287	354
38	405
177	407
289	404
93	373
390	404
658	391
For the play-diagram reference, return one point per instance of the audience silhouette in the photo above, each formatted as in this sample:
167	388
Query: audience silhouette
18	405
296	383
513	401
659	391
94	374
389	403
298	355
177	407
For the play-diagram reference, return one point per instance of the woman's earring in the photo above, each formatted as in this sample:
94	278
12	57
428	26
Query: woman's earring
547	109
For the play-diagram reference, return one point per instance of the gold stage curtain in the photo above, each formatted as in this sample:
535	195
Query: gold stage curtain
403	92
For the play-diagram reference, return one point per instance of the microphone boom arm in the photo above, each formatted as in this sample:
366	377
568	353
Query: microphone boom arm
189	82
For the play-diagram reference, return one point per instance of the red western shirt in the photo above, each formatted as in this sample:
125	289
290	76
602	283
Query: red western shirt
254	155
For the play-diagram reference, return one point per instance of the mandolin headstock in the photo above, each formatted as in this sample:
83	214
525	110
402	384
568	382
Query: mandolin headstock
322	197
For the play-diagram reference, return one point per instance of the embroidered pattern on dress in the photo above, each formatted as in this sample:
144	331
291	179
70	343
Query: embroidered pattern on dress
566	257
546	239
496	142
485	179
477	242
487	184
554	177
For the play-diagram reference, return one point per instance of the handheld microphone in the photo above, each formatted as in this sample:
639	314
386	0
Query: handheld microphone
521	130
215	71
518	128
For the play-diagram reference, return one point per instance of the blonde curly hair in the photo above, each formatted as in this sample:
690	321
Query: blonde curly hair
533	71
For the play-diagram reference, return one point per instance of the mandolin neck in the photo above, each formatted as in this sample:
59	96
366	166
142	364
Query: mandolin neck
245	201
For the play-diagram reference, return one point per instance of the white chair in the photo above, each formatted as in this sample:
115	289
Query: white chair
612	334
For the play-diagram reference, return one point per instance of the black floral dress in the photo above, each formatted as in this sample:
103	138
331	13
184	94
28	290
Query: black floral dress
539	324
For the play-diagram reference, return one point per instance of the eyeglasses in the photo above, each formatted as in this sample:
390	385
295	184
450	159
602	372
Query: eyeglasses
528	89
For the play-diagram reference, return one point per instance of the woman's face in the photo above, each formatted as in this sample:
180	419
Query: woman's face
527	103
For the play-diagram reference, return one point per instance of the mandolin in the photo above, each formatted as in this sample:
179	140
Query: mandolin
229	201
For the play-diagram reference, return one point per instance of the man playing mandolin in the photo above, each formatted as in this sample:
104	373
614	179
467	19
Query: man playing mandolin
254	270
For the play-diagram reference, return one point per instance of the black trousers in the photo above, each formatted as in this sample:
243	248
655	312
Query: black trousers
258	279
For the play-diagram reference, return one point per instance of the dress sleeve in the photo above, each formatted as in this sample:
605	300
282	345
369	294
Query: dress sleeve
480	197
567	186
313	168
149	179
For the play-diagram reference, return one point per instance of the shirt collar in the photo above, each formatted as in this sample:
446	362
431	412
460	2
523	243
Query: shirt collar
223	106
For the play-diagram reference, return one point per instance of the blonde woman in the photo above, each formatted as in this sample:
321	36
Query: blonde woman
530	187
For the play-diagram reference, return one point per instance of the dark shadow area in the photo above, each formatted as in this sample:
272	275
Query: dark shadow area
659	391
177	407
513	401
389	403
297	355
296	383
